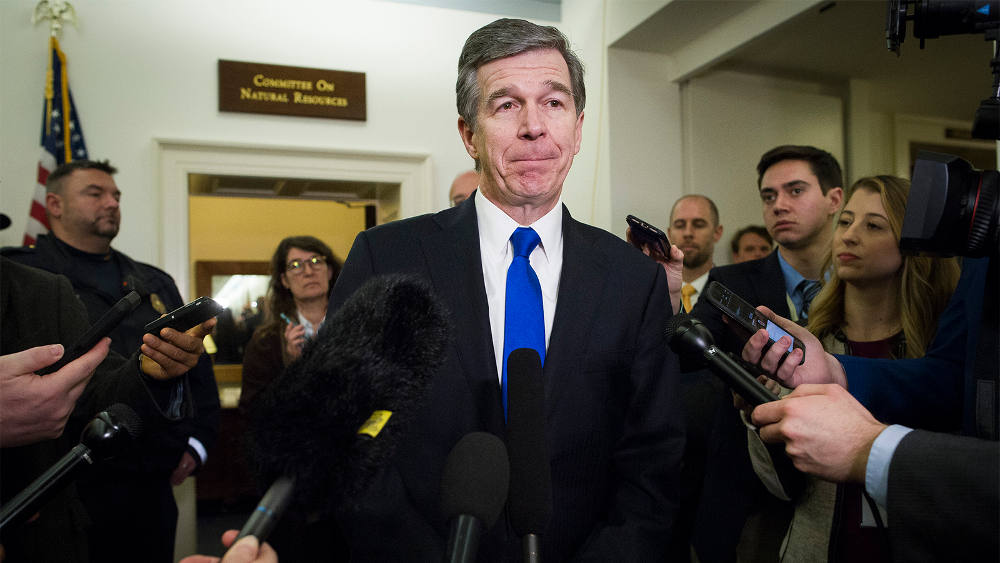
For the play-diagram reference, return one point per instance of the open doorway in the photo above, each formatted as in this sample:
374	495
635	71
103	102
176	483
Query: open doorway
224	210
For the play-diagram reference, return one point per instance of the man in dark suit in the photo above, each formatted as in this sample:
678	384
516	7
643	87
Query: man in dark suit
612	421
801	190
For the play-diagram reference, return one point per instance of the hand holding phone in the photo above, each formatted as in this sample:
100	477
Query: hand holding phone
295	339
187	316
643	234
748	319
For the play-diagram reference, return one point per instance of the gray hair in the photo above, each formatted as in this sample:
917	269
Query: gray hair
506	38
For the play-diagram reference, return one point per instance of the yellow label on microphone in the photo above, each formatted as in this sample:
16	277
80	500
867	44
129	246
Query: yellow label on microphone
375	423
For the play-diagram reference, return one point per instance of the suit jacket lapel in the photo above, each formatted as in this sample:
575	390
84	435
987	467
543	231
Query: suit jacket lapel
455	266
581	285
772	285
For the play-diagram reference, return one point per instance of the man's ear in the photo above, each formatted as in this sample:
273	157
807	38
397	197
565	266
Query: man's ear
466	132
836	198
284	281
53	205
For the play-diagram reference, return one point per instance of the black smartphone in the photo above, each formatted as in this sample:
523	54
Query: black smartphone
748	318
645	234
187	316
104	325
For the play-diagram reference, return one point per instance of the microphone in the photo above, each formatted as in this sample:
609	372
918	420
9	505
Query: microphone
265	517
473	490
104	437
101	328
529	505
687	336
334	417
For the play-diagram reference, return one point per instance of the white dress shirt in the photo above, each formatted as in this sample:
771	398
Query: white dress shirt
495	229
699	287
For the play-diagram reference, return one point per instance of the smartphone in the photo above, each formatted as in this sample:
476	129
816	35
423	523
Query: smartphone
290	321
187	316
104	325
747	318
645	234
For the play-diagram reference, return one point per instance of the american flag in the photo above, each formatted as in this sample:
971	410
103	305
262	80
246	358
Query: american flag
62	137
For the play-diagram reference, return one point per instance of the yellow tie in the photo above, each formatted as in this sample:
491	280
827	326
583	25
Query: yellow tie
687	290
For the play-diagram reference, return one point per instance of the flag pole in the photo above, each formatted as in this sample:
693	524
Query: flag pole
61	136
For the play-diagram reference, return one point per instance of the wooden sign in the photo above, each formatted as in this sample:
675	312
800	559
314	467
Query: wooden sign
291	90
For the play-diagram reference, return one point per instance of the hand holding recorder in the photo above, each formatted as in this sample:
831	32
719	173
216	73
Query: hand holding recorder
748	320
808	364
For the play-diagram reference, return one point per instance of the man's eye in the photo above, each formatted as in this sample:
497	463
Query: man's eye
507	105
554	103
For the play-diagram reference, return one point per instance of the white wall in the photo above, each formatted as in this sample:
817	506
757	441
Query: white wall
645	138
731	119
146	70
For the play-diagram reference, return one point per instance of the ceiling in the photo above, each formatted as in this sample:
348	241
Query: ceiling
834	42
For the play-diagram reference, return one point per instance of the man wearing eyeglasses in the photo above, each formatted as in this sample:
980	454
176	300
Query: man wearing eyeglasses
130	502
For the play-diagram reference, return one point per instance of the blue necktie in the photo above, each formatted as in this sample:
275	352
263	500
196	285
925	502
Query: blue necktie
524	321
809	289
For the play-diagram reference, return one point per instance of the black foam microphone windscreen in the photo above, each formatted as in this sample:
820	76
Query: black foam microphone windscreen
369	366
475	478
529	503
473	490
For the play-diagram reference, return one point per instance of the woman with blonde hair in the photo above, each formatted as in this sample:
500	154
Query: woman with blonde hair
875	294
877	303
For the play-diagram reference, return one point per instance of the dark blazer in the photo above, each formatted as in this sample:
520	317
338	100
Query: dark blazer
612	421
944	498
731	491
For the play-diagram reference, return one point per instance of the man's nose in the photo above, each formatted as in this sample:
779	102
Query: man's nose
532	124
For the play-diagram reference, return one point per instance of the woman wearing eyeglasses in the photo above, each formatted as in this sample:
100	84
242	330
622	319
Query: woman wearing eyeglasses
303	270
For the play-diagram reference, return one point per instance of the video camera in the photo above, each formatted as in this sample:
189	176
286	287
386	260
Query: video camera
953	209
934	18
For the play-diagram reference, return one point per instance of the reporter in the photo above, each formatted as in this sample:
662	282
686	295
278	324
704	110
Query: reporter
303	271
941	491
36	308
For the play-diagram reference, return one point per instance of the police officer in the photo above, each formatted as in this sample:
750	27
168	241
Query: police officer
131	505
